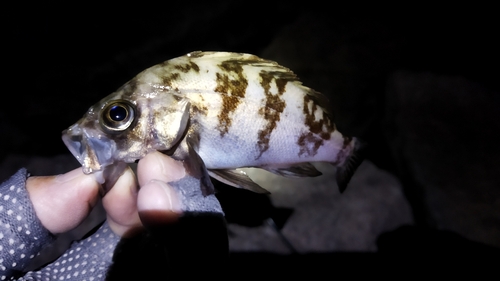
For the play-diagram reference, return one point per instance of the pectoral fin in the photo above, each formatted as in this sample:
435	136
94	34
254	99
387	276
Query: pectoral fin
187	152
298	170
237	179
170	128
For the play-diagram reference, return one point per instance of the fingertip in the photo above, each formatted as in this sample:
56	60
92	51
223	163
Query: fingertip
158	204
161	167
121	207
75	173
126	184
75	185
89	189
120	201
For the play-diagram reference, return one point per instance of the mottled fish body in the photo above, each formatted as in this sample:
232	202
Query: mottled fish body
217	111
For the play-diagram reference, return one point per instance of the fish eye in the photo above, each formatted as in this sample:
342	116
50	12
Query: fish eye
117	113
117	116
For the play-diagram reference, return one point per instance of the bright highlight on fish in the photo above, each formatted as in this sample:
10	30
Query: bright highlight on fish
216	112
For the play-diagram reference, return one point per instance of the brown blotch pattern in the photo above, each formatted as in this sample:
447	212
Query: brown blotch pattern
177	97
232	87
273	108
199	109
319	130
187	67
342	153
309	143
168	79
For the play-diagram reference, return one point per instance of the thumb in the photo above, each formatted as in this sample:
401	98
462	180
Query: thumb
62	202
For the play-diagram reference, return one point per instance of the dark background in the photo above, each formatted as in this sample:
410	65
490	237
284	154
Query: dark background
57	61
418	83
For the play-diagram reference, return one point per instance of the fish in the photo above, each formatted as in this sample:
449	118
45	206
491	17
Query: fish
216	112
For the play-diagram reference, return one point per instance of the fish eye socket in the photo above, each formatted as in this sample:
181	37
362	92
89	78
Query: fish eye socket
117	116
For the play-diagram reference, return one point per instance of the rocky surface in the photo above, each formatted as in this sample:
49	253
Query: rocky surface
323	220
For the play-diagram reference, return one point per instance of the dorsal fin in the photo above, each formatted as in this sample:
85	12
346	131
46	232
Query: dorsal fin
268	68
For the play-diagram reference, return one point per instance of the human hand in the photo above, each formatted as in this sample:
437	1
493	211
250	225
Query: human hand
129	209
62	202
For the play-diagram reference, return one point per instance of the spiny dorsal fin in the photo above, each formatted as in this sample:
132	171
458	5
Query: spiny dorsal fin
280	72
320	100
270	67
298	170
237	179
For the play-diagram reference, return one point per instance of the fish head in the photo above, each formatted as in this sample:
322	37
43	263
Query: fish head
96	139
126	125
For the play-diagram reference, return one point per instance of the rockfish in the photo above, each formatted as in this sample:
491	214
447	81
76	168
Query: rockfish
216	112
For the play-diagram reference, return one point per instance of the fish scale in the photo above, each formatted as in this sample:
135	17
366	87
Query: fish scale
216	111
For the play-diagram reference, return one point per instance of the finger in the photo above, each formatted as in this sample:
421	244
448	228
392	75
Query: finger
157	166
121	205
62	202
158	204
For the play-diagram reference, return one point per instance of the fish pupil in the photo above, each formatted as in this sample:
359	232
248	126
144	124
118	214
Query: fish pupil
117	116
117	113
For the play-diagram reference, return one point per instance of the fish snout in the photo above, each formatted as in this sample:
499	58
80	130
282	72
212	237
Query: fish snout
90	147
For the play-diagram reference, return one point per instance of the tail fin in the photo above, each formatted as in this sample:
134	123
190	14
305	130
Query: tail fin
345	172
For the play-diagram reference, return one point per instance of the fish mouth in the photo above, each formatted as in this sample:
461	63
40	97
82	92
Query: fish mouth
90	147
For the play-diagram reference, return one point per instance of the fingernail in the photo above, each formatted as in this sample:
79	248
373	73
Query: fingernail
158	204
159	196
175	169
69	175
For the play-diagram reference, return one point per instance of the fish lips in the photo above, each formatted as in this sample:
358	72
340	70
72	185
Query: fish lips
90	147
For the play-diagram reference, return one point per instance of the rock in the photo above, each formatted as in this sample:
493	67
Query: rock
323	219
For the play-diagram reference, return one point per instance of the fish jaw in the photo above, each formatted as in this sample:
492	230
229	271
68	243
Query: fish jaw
91	148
